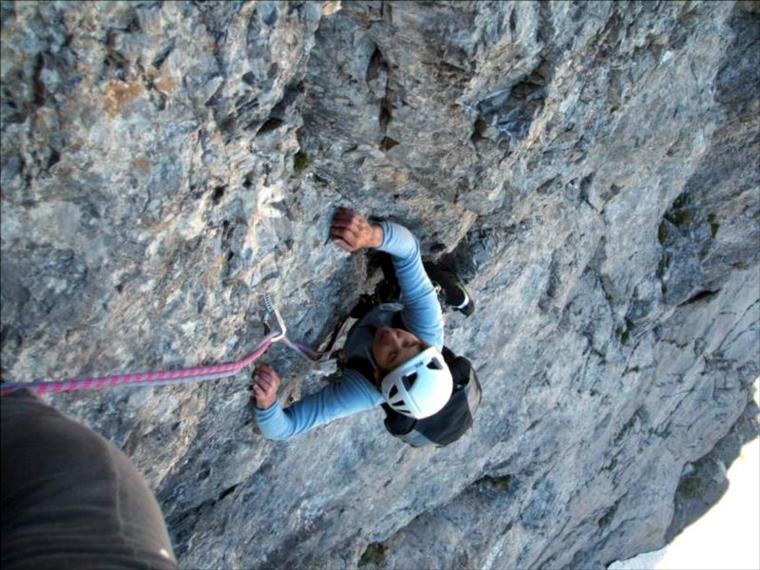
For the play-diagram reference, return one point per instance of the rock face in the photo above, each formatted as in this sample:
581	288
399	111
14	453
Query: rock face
592	166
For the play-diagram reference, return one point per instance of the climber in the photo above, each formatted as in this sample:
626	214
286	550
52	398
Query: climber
394	354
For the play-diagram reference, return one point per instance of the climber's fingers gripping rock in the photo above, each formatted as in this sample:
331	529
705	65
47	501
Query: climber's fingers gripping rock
265	384
351	231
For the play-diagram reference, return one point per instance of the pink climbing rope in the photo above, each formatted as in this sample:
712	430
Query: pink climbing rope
158	378
185	375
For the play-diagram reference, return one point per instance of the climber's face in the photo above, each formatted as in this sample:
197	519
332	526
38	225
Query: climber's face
392	347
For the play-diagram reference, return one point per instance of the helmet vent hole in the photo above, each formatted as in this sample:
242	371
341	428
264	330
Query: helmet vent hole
435	364
393	391
410	380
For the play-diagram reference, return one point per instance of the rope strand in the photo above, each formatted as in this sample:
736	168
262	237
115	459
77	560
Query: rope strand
157	378
182	376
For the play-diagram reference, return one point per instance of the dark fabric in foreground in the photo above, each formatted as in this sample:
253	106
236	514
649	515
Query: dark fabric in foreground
70	498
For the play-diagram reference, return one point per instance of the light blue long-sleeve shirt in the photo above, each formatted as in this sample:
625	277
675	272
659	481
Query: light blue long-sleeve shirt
351	392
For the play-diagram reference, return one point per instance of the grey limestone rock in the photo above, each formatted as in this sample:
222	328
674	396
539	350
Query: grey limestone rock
592	167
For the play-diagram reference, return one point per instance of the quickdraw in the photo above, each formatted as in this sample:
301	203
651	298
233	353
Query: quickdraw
181	376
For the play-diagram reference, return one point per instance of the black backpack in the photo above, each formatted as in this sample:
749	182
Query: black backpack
444	427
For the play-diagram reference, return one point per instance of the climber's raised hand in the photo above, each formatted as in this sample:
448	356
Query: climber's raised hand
351	231
265	384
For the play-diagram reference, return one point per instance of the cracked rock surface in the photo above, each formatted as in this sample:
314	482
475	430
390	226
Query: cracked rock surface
592	167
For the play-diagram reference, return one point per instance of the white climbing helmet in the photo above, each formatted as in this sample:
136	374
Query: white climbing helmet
421	386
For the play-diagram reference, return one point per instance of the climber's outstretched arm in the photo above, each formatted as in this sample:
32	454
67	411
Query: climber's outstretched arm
343	396
422	312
